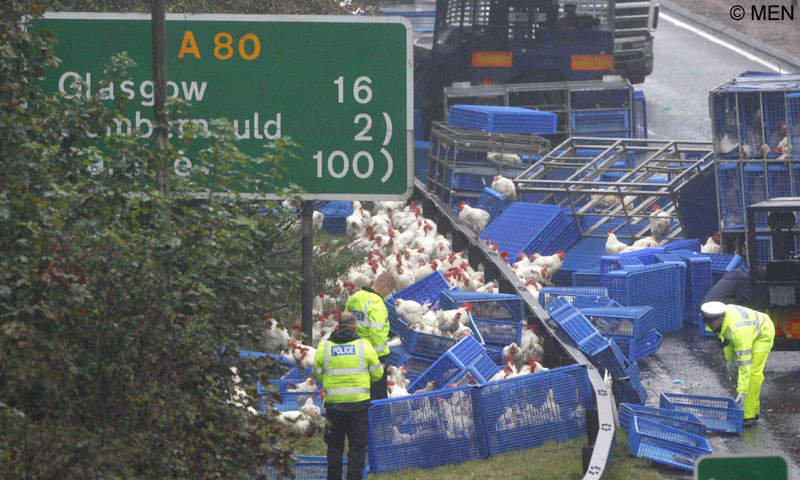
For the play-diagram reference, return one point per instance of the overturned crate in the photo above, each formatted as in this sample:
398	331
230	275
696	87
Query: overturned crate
462	162
613	183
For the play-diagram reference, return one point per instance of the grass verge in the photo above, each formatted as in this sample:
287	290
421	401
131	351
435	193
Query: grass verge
552	461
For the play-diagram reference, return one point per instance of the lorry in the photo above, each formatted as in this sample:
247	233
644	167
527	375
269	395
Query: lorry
529	41
776	283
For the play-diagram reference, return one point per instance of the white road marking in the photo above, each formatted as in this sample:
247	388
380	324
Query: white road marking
713	39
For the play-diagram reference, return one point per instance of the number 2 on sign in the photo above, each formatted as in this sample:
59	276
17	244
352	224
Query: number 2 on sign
362	92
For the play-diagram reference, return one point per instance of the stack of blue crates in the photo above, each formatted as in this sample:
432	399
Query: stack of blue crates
499	317
630	388
585	297
465	363
659	286
497	119
699	282
667	445
609	263
722	263
586	278
531	228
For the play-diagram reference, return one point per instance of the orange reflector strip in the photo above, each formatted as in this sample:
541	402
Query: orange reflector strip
491	59
592	62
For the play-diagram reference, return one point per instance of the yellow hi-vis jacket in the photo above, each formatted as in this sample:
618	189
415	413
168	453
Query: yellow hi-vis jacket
373	319
746	331
346	370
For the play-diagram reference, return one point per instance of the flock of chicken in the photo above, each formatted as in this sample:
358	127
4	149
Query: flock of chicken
397	238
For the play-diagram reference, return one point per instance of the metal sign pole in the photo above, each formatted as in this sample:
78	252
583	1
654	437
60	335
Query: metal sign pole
307	269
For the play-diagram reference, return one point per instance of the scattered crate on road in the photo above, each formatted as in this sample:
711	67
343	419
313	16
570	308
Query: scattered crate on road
666	445
631	322
685	421
635	349
659	286
719	414
499	317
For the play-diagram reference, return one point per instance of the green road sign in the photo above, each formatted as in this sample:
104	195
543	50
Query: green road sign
339	86
717	467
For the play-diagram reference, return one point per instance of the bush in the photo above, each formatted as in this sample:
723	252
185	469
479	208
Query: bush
120	307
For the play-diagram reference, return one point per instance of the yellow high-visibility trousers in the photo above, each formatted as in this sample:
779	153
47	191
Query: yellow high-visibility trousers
752	400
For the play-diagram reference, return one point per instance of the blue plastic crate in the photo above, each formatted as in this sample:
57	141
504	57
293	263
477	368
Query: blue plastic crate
729	191
639	114
719	414
763	250
466	361
778	182
288	400
493	202
723	262
684	421
636	348
666	445
496	354
548	294
586	278
631	322
659	286
584	255
529	410
426	430
498	306
415	364
428	345
424	290
610	358
499	317
672	259
609	263
421	151
498	119
793	117
755	189
309	468
576	326
700	281
630	388
692	244
336	214
599	121
532	228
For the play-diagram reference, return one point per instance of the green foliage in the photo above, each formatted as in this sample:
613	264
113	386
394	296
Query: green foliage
116	303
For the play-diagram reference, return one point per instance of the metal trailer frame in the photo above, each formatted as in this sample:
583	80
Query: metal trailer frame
564	109
748	85
580	192
462	151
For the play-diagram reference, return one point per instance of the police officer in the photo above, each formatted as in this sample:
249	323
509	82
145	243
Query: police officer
346	365
747	336
373	321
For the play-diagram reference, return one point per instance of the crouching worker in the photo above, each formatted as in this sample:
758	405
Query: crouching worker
346	365
747	336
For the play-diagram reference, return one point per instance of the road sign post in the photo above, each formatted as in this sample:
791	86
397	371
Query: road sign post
339	86
718	467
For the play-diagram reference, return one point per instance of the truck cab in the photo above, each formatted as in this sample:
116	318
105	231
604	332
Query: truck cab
776	283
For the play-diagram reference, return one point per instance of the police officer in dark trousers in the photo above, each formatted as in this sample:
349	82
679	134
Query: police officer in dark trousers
373	321
346	365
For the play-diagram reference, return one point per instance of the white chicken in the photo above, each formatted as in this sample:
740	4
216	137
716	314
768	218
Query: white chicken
503	160
303	355
474	218
649	241
659	221
310	385
506	187
403	277
508	371
613	245
784	148
552	262
275	338
317	219
712	245
398	375
354	225
394	390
